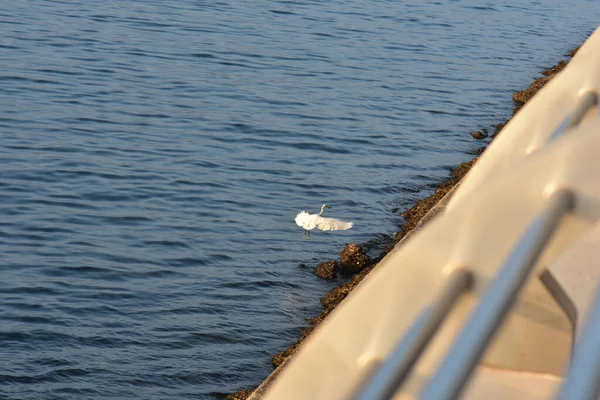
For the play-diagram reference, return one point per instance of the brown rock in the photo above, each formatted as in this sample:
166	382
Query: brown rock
240	394
572	52
479	135
327	270
478	151
335	296
419	210
279	358
317	319
353	258
522	97
498	128
556	69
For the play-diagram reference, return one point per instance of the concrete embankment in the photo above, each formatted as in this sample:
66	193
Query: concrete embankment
415	218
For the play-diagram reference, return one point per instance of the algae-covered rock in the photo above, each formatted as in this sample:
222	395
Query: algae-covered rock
327	270
572	52
556	69
498	128
479	135
523	97
279	358
478	151
353	258
240	394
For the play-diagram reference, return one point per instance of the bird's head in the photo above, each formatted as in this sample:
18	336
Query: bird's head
324	206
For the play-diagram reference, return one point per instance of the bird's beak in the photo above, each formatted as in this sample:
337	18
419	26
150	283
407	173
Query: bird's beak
328	206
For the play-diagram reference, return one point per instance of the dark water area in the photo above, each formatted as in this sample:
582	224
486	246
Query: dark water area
154	155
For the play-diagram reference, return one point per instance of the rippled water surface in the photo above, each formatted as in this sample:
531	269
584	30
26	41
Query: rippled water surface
155	153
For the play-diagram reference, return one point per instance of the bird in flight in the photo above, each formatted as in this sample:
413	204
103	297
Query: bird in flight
311	221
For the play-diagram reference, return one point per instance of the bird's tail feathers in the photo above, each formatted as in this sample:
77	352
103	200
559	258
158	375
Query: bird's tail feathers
301	218
346	225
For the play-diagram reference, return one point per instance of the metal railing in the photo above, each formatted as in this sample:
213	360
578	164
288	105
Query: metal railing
502	293
456	369
479	330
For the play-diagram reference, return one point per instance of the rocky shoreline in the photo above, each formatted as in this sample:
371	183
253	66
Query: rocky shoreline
354	260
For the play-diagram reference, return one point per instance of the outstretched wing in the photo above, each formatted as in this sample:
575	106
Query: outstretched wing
332	224
306	220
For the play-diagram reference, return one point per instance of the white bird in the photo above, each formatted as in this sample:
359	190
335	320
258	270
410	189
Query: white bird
310	221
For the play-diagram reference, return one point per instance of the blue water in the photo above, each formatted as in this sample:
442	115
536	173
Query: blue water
155	153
